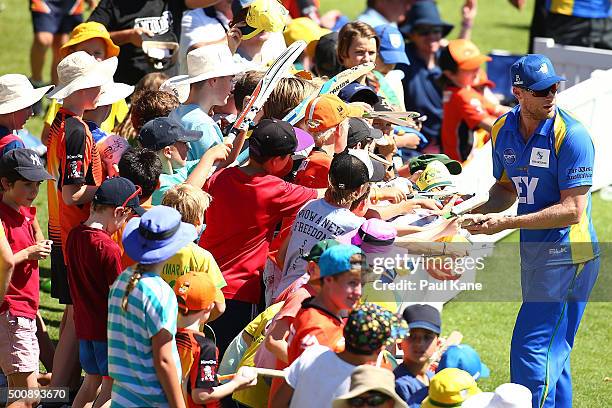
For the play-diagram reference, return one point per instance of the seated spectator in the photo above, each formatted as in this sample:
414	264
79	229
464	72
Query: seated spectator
385	12
450	387
413	377
465	110
425	30
372	387
368	329
253	195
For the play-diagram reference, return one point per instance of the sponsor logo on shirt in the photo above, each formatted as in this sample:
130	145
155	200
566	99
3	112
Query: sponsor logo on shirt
509	156
539	157
525	188
157	25
581	172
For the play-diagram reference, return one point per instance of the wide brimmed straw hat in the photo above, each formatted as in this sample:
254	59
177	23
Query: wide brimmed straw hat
114	92
16	93
211	61
80	70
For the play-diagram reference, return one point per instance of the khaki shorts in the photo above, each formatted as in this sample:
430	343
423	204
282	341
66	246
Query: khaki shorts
19	350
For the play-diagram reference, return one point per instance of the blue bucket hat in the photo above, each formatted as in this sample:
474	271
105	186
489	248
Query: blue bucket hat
157	236
533	71
337	259
465	358
425	13
392	46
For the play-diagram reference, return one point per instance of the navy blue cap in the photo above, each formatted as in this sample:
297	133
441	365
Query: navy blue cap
27	163
465	358
425	13
392	47
535	72
423	317
161	132
119	192
355	92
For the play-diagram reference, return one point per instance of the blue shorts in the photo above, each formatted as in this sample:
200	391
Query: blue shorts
54	16
94	357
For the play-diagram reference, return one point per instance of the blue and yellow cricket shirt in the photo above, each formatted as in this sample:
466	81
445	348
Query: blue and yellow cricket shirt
558	156
580	8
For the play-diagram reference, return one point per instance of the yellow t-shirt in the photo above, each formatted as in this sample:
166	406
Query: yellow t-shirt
119	111
257	396
192	258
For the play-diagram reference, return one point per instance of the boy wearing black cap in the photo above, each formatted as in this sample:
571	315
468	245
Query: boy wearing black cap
21	173
94	262
413	375
170	140
248	202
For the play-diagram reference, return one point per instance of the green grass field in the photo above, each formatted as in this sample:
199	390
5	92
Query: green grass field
486	325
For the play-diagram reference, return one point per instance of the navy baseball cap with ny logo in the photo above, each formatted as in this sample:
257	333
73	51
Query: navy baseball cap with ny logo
535	72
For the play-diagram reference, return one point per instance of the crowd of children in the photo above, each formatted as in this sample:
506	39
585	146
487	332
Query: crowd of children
187	261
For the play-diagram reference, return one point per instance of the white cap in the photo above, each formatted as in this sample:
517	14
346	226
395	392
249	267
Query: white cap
507	395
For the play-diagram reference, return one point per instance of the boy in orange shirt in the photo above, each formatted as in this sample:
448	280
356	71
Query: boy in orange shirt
319	320
465	109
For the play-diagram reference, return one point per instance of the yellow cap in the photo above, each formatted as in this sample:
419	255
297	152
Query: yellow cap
266	15
449	388
304	28
435	175
87	31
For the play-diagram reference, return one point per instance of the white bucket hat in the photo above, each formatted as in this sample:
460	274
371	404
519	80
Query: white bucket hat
80	70
508	395
114	92
16	93
178	86
211	61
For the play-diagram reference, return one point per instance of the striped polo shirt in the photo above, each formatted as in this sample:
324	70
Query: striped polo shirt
558	156
151	307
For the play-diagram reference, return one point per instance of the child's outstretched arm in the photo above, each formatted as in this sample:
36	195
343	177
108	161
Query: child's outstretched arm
201	172
245	377
165	368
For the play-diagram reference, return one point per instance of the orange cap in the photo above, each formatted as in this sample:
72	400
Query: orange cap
326	111
196	291
466	54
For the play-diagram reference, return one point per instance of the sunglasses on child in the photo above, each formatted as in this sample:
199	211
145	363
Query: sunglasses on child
544	92
373	400
426	30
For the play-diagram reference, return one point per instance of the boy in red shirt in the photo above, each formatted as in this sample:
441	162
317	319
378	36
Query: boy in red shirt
94	262
248	203
21	173
196	296
465	110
